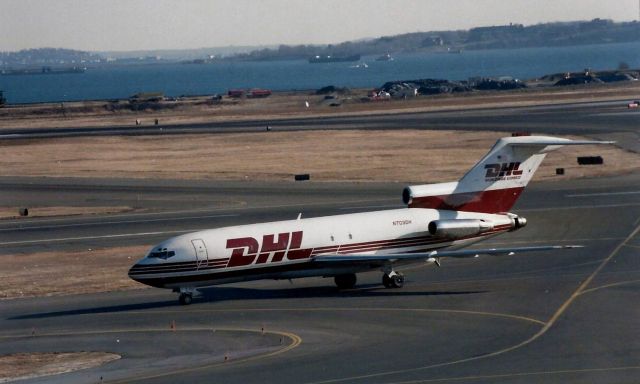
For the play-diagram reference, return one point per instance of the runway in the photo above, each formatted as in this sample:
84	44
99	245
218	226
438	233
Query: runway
609	118
551	317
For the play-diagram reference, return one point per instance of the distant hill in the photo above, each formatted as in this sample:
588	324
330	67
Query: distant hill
60	57
597	31
48	57
183	54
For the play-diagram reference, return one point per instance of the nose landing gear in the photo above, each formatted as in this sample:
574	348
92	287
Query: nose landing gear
186	295
185	298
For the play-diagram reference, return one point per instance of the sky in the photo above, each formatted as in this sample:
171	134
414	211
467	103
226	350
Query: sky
117	25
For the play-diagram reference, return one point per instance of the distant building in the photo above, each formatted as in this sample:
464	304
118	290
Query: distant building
236	93
432	41
252	93
147	97
259	93
488	33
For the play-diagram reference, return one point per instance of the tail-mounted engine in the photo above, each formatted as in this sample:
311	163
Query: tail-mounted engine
459	228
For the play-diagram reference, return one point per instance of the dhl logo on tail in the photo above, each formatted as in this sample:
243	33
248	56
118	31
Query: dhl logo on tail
503	171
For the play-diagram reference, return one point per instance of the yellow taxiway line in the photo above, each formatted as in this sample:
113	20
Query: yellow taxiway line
295	342
559	312
521	374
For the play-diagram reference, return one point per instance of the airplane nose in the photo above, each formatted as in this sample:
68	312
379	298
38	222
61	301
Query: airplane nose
134	271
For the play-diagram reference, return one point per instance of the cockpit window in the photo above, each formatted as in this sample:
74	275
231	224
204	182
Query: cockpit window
161	253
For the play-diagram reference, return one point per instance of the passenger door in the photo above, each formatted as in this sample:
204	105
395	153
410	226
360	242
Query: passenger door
202	256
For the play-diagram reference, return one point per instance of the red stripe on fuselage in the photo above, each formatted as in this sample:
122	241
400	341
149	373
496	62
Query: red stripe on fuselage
307	253
489	201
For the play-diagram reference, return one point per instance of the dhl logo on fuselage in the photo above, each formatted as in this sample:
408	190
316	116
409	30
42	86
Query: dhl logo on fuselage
502	171
247	250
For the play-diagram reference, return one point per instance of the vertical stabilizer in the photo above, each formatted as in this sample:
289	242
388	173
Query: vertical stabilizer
494	184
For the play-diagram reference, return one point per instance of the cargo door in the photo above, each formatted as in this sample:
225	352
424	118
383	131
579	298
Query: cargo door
202	256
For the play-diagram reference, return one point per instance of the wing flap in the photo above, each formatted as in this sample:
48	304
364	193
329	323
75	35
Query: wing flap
463	253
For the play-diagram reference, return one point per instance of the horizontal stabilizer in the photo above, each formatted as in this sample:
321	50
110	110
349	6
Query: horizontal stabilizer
540	141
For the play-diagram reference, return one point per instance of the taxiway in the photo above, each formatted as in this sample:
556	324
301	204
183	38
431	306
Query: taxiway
552	317
610	119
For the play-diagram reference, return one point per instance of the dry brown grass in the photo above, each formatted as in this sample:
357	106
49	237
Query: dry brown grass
22	366
355	155
58	273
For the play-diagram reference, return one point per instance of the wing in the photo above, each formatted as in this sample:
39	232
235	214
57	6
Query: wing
463	253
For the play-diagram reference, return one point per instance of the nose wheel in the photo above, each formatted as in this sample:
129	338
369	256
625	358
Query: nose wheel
186	295
393	280
185	298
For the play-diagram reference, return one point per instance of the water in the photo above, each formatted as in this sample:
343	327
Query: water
183	79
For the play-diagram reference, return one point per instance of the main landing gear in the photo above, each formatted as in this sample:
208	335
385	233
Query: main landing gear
346	281
393	280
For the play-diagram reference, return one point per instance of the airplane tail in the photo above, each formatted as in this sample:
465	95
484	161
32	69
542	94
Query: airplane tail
494	184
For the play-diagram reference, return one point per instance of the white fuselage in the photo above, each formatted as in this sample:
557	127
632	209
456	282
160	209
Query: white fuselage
285	249
445	215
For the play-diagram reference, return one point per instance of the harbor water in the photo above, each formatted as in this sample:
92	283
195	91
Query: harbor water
111	82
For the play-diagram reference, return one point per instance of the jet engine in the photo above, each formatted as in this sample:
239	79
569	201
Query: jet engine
459	227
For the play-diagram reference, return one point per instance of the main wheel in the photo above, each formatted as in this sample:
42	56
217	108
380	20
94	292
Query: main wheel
185	299
346	281
394	281
387	281
397	281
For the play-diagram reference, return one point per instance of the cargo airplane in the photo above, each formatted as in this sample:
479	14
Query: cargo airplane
439	220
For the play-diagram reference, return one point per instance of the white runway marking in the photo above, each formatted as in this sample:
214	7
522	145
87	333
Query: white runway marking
118	222
372	207
614	114
578	207
243	208
603	194
97	237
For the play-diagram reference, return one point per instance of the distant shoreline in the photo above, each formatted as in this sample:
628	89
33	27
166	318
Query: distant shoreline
178	80
546	80
201	110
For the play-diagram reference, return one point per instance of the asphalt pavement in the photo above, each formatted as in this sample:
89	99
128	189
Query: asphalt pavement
611	119
544	317
552	317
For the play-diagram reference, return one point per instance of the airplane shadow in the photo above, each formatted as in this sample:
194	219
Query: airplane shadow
220	294
98	310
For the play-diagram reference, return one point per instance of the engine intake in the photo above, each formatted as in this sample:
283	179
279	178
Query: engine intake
459	227
519	222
